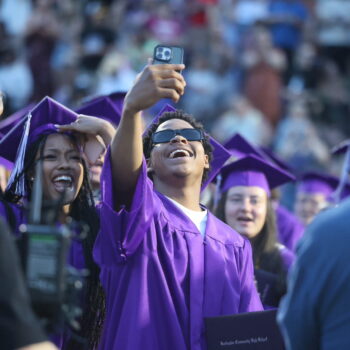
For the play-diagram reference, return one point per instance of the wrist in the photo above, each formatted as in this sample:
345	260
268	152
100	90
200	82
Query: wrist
106	132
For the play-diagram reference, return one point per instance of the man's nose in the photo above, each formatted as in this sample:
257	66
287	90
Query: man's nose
178	138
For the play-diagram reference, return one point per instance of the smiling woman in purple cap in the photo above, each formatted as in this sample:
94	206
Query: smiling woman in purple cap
64	173
245	205
166	262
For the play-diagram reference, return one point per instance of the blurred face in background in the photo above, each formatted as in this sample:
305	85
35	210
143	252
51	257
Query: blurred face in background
245	209
308	205
95	172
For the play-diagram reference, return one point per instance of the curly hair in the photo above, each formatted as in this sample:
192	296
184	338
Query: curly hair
82	209
178	114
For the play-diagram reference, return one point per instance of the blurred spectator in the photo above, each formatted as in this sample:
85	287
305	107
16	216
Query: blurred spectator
114	74
249	12
164	26
297	141
287	19
244	119
15	78
305	69
22	10
334	96
264	64
96	38
333	18
41	35
201	89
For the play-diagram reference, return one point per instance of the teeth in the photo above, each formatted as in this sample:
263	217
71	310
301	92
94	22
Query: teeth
63	178
180	153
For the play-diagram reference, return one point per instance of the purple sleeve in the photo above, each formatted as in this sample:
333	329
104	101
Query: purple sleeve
250	300
121	232
8	210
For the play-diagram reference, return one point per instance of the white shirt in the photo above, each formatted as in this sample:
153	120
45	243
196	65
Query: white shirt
199	218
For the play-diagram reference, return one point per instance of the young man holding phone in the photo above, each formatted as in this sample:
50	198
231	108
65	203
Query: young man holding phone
166	261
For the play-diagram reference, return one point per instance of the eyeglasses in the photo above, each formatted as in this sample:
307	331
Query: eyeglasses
167	135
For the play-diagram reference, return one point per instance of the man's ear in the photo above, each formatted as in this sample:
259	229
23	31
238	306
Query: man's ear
149	166
206	162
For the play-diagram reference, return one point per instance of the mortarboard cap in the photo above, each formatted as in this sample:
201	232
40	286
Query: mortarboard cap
39	120
6	164
219	158
253	171
7	124
240	147
166	108
270	155
104	107
314	182
118	100
341	147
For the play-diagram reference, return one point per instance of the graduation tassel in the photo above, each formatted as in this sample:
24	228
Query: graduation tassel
19	164
217	191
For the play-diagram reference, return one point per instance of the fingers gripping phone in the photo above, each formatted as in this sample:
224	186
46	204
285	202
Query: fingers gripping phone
168	54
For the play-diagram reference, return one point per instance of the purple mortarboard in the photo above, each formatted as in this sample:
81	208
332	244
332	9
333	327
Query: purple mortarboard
341	147
275	159
313	183
240	147
39	120
166	108
6	164
253	171
118	100
220	157
104	107
7	124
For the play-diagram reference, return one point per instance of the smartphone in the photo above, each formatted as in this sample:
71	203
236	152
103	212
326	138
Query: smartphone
168	54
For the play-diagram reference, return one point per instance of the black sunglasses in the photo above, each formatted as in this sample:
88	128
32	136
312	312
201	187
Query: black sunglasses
168	134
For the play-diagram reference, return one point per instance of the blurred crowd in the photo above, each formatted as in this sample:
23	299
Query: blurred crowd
276	71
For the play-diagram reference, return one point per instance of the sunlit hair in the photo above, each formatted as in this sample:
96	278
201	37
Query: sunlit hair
82	210
178	114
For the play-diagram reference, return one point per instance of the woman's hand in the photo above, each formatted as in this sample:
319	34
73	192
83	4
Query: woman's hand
96	133
89	125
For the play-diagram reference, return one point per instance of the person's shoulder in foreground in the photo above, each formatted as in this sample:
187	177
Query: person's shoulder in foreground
314	314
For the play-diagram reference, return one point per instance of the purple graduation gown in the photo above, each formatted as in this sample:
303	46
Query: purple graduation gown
289	228
161	278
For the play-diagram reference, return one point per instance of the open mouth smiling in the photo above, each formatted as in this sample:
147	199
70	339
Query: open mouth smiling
244	219
180	153
63	183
